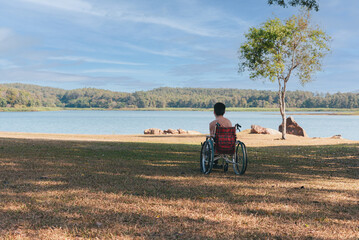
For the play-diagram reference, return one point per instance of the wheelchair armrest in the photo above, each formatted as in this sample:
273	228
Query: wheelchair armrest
209	137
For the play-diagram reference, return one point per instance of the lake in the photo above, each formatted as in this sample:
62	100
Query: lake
134	122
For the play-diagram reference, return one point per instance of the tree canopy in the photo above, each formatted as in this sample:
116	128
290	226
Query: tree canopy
309	4
24	95
277	50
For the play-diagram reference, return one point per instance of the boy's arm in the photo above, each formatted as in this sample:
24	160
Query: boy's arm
212	128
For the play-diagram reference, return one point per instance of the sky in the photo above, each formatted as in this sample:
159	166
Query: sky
140	45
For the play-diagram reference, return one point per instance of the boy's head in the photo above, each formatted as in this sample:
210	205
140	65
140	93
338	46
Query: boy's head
219	109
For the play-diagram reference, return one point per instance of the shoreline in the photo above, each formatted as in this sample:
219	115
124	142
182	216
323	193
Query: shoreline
293	111
251	140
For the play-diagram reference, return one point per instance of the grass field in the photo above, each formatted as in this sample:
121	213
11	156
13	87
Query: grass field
77	189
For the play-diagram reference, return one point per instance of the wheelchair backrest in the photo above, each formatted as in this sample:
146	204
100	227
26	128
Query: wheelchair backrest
225	140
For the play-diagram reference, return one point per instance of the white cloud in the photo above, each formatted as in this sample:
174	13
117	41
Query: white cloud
6	64
108	70
243	24
12	42
130	72
94	60
4	34
202	69
120	12
167	52
50	78
181	25
343	38
67	5
21	75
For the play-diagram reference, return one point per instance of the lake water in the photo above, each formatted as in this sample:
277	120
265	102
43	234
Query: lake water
134	122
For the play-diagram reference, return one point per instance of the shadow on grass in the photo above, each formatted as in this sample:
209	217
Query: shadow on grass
33	169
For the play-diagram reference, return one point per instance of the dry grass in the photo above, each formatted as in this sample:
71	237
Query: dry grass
115	190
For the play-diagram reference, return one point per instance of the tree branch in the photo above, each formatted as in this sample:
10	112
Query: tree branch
310	4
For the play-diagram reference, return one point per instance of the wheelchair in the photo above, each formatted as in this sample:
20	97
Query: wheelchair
224	146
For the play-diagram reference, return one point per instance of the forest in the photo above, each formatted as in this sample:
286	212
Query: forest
17	95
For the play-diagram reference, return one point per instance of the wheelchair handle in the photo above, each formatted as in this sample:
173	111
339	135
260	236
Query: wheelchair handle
237	126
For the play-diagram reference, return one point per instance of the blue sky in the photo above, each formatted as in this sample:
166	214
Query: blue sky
145	44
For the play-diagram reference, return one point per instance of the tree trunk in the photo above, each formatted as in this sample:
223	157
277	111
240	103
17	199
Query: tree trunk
282	108
284	124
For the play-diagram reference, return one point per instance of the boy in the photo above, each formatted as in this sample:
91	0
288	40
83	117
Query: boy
219	110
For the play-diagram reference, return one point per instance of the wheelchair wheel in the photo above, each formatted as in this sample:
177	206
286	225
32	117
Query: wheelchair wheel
207	157
225	167
241	160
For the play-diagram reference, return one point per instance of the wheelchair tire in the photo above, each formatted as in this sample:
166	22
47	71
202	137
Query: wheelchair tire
207	157
241	159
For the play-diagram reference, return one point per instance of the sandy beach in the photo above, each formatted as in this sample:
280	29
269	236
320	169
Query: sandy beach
251	140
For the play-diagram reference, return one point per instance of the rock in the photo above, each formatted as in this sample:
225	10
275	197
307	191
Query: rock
258	129
154	131
261	130
181	131
293	128
193	132
272	131
337	137
170	131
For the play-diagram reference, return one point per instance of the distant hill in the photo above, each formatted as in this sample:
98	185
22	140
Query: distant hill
27	95
43	96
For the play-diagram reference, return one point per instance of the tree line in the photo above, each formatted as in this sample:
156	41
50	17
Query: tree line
26	95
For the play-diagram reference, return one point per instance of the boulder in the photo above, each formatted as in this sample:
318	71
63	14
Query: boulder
272	131
170	131
261	130
154	131
181	131
337	136
293	128
258	129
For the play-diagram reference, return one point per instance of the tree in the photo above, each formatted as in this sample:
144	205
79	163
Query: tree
309	4
277	50
3	102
